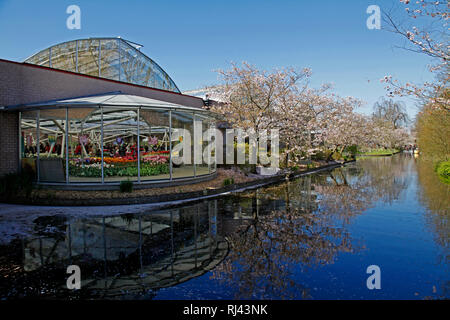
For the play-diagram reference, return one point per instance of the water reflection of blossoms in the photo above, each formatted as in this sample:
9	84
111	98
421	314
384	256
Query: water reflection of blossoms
302	224
266	247
263	252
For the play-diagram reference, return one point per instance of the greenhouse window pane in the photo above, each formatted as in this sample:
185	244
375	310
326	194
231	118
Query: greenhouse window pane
41	58
64	56
88	57
118	61
110	59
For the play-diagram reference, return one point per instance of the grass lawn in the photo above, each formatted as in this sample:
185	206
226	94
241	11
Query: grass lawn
379	152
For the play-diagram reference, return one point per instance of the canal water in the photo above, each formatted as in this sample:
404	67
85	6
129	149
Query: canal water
310	238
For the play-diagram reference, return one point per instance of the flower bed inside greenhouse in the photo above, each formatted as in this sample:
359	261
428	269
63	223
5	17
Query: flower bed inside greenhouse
152	163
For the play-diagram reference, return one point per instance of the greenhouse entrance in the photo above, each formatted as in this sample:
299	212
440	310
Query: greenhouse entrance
109	138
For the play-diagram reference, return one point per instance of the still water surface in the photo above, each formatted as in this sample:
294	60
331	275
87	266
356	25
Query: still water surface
311	238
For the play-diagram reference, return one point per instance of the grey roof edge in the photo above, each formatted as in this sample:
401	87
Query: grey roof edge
17	106
60	103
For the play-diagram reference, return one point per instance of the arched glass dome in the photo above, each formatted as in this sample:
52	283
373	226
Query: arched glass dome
111	58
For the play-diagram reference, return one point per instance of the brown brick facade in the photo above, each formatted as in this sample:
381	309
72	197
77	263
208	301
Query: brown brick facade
9	142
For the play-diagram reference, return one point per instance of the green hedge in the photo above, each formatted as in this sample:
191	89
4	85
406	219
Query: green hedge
12	183
443	170
126	186
228	181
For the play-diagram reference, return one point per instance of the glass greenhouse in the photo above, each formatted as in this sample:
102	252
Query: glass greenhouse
110	58
113	137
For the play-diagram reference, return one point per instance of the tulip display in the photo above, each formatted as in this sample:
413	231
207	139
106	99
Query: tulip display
152	163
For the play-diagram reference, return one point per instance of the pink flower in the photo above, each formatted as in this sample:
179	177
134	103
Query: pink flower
153	141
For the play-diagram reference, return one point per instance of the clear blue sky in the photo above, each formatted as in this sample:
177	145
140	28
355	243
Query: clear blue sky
191	39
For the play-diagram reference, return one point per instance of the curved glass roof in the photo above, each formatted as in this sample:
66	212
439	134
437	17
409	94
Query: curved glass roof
110	58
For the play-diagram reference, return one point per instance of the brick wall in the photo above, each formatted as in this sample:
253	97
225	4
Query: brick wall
9	142
25	83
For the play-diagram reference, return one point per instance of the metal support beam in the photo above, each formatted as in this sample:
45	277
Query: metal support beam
120	60
193	155
76	56
170	145
99	58
38	145
67	145
101	144
20	142
138	144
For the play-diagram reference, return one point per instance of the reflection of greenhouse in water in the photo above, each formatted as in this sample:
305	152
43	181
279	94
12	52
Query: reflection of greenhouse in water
151	251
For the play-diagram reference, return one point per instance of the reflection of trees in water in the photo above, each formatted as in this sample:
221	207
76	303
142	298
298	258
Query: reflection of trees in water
435	197
263	252
302	224
343	196
386	177
351	190
296	231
